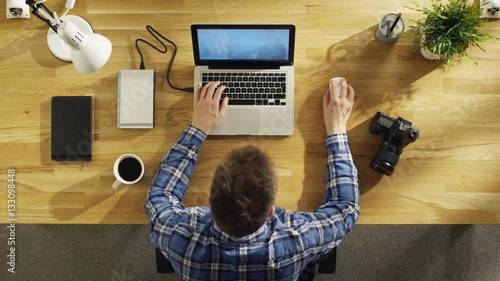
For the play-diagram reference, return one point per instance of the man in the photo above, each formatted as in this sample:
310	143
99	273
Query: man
243	236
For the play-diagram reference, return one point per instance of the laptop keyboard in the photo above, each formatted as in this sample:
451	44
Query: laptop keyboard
262	88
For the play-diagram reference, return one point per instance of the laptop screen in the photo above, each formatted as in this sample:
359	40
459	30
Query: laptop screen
243	43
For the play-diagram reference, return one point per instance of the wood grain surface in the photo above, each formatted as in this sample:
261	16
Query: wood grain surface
450	175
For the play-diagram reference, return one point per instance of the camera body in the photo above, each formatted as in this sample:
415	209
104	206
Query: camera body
17	9
398	133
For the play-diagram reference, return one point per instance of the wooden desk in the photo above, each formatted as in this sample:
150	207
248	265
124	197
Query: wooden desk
450	175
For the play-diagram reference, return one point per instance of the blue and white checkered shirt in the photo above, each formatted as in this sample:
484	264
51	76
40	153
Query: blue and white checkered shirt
279	250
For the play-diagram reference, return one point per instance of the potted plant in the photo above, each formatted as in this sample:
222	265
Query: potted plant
449	30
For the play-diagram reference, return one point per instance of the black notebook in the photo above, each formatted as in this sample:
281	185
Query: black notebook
71	132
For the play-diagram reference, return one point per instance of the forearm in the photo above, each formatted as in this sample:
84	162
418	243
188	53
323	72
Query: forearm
176	168
342	183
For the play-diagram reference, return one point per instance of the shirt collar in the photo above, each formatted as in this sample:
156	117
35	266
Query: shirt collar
248	238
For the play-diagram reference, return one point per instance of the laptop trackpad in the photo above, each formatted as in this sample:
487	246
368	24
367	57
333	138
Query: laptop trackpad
243	121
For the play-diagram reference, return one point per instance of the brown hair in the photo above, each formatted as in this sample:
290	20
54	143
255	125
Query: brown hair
243	191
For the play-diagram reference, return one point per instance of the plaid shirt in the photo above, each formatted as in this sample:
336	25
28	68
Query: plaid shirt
279	250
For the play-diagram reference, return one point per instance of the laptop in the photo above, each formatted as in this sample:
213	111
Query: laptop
255	63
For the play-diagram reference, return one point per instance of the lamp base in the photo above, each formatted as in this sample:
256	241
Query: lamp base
57	46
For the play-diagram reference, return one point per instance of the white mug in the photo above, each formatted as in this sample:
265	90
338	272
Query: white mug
128	169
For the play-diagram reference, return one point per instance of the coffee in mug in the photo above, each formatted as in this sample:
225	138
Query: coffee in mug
128	169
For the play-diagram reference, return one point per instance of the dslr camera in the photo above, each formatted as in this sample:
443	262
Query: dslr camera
398	133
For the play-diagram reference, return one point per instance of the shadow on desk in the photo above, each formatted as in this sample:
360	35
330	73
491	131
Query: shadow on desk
81	191
382	76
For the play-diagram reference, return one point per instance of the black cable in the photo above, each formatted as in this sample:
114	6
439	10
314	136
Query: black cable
151	30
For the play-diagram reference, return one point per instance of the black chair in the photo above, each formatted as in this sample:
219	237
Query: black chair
327	265
162	264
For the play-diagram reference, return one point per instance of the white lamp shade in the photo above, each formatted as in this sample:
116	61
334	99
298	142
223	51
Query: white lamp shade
92	55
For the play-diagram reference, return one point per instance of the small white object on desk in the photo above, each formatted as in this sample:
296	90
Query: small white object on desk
490	9
135	99
337	81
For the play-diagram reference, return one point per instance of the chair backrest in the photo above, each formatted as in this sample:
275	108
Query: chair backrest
327	264
162	264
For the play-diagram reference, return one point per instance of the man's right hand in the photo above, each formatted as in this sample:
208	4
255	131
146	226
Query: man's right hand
337	106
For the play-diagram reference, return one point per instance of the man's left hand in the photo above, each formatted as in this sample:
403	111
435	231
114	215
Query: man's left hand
208	113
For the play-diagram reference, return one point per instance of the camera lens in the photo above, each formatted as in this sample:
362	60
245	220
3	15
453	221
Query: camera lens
385	159
382	167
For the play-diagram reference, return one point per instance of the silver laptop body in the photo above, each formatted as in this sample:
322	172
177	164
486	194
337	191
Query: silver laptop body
255	62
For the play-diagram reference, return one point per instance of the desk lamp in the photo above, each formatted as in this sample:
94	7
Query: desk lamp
71	38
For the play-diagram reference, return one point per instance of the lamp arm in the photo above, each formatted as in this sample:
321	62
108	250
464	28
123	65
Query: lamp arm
43	13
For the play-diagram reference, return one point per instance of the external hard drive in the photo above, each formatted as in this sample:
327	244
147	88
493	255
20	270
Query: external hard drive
71	131
135	99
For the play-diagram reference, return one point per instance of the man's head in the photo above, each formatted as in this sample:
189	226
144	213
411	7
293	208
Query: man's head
243	191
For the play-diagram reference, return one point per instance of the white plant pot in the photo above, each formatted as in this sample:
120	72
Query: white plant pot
428	54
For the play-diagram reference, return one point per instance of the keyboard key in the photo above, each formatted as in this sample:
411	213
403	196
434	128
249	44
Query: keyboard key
241	102
247	74
267	90
231	90
268	79
278	90
258	102
249	90
204	74
230	96
279	96
210	74
238	90
265	102
248	84
281	79
254	84
252	74
259	96
247	96
223	74
252	96
236	84
240	96
273	90
259	85
264	96
204	79
266	84
275	79
277	102
255	90
264	74
271	103
261	90
240	79
243	90
223	96
251	79
283	103
259	74
283	74
245	79
240	74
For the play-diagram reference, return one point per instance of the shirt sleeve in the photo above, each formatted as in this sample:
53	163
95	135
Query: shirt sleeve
323	229
163	205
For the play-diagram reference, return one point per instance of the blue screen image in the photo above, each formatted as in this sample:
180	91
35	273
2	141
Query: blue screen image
243	44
